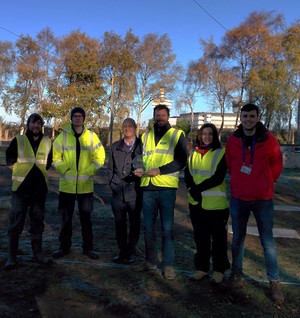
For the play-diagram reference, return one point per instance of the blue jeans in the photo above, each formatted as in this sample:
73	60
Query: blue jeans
263	212
159	202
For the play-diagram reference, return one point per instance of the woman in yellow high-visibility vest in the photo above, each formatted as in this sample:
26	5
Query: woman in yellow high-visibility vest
208	205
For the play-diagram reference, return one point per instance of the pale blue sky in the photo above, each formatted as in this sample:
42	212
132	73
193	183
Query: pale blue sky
184	21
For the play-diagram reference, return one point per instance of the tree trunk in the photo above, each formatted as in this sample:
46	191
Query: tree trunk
138	122
112	111
297	132
192	125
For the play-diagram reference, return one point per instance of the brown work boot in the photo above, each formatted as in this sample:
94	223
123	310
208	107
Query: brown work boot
169	273
38	257
11	263
276	293
235	281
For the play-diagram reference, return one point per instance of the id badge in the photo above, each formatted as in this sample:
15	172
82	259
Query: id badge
246	170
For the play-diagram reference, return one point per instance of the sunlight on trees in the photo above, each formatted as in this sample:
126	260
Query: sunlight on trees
114	77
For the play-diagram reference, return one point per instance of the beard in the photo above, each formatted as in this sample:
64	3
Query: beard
34	133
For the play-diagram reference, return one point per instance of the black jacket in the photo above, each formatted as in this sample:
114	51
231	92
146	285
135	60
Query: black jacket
122	181
211	182
35	180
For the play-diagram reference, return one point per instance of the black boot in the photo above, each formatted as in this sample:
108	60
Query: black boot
36	244
13	242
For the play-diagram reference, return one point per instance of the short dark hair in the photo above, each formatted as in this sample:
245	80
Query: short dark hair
77	110
160	107
216	141
249	107
34	117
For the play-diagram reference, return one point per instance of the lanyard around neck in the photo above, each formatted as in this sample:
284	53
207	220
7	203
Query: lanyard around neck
252	150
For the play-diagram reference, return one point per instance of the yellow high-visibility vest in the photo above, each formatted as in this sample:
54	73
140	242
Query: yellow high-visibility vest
202	168
27	159
159	155
92	157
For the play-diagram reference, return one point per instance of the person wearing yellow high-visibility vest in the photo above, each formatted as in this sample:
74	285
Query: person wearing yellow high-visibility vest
208	204
77	156
164	155
29	157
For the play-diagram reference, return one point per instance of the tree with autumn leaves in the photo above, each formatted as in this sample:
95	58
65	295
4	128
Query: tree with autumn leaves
114	77
258	62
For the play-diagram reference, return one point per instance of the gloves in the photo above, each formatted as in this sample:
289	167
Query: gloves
196	193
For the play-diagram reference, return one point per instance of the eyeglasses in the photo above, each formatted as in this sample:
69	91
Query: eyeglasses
77	116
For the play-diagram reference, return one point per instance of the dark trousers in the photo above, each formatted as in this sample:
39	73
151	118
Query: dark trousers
31	202
127	237
210	235
66	206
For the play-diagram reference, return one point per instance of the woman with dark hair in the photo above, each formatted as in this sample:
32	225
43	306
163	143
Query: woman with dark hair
208	205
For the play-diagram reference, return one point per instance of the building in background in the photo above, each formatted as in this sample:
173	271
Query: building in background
201	118
162	99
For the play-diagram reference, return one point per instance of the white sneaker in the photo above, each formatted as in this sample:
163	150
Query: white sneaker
145	266
199	275
217	277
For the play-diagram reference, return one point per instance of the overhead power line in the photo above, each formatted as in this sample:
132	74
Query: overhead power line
17	35
196	2
24	38
210	15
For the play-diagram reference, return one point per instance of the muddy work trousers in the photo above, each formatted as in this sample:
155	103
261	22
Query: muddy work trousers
34	204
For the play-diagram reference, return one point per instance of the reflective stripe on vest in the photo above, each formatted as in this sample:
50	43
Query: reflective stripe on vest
76	177
27	159
215	198
214	163
73	178
161	154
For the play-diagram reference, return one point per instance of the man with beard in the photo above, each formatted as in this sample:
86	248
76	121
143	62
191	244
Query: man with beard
164	155
29	157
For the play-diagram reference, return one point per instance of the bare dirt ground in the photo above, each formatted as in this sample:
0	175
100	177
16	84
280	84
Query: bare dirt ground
78	287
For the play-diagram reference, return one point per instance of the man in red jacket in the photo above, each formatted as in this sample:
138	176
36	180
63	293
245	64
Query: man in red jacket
254	161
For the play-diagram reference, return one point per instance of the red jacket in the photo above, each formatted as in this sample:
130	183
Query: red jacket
267	165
